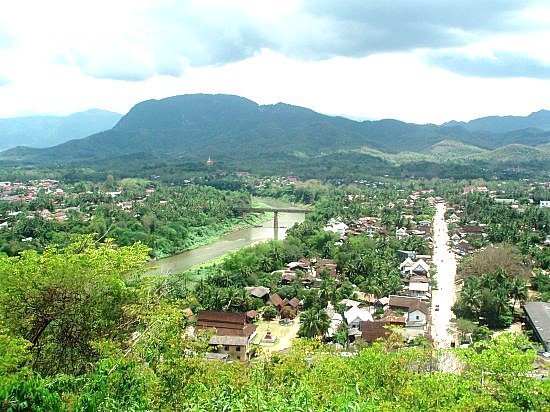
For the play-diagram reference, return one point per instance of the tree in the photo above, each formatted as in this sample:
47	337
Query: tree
314	323
62	300
269	313
494	258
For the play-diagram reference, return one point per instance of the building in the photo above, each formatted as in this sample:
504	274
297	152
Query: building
259	292
354	317
538	317
545	203
236	347
415	311
232	333
372	331
419	290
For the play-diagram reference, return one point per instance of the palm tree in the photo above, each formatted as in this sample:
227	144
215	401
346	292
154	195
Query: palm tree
518	291
314	322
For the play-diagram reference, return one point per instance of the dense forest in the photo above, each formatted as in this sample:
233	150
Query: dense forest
80	331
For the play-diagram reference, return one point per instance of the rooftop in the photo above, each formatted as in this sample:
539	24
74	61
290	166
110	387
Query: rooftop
539	316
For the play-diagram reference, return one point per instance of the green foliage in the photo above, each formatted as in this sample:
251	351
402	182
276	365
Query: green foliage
269	313
488	297
63	299
314	323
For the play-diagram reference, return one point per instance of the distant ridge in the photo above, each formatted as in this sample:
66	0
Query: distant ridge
502	124
44	131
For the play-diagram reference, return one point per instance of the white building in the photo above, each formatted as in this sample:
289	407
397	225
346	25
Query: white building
354	316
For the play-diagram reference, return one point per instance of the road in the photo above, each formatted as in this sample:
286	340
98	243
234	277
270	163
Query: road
444	297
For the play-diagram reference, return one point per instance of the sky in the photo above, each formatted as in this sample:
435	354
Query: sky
422	61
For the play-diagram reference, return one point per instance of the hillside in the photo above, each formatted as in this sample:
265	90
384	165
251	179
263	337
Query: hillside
450	149
237	131
44	131
513	153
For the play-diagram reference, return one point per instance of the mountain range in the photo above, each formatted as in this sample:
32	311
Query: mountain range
45	131
238	131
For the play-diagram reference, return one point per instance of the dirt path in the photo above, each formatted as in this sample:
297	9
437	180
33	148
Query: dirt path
443	298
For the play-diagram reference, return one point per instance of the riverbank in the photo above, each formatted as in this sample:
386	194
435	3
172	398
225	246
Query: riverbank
229	242
213	233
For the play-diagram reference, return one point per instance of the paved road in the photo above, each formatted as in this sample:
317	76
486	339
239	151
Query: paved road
444	296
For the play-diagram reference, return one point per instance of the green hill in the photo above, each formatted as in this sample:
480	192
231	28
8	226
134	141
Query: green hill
238	132
450	149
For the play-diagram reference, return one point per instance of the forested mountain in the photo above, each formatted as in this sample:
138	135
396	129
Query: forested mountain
237	130
501	124
44	131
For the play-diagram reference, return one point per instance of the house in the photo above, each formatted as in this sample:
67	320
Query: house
463	248
235	347
349	302
416	312
401	233
354	316
420	268
276	301
325	265
393	318
418	279
384	301
538	317
372	331
260	292
419	290
406	265
293	304
232	332
417	316
288	277
470	230
303	264
335	226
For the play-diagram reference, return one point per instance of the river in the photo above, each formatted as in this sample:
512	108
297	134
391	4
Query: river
229	242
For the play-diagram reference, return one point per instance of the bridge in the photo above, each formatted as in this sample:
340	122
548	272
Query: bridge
275	211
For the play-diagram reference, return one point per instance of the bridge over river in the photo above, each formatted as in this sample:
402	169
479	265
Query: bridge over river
285	216
275	211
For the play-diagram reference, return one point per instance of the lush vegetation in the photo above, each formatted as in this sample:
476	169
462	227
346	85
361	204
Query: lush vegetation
81	331
168	219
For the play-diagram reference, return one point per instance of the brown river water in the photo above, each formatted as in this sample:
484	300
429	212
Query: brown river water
229	242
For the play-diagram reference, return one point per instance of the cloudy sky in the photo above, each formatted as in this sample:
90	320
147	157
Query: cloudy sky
414	60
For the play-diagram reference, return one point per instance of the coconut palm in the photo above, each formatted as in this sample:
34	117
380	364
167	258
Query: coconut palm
314	322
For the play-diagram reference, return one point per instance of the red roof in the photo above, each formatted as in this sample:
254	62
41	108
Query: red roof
371	331
294	302
225	323
407	303
276	300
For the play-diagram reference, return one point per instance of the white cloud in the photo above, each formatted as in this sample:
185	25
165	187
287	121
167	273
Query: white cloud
66	56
